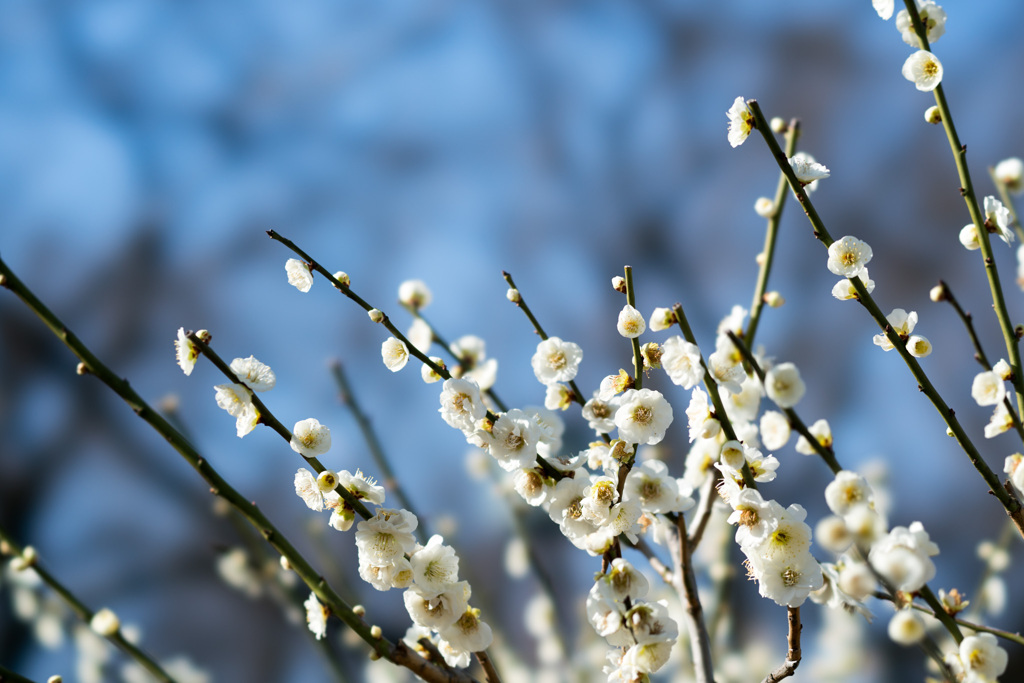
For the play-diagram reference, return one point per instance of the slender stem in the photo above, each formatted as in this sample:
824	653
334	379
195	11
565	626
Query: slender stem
977	217
398	653
391	482
826	452
940	613
771	237
686	585
1007	499
638	359
793	654
981	628
712	387
85	614
705	508
490	672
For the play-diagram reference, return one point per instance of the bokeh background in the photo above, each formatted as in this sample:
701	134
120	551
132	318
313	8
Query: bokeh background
146	146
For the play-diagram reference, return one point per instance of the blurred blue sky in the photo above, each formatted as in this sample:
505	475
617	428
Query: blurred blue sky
146	146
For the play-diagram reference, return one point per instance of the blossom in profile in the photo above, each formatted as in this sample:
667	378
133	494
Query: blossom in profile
997	219
932	16
979	658
902	323
186	351
848	256
254	374
844	289
310	438
395	354
299	275
236	399
807	170
923	69
316	616
741	122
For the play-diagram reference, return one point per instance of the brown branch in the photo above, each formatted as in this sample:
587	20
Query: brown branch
793	655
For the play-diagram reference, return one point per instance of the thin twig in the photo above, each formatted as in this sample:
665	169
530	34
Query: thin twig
686	586
793	655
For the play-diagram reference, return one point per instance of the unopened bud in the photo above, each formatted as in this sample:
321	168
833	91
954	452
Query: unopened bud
204	336
105	623
933	115
375	315
82	368
760	258
342	277
619	284
938	292
778	125
3	280
375	631
54	679
764	207
414	294
359	610
286	564
662	319
326	481
513	295
774	299
27	559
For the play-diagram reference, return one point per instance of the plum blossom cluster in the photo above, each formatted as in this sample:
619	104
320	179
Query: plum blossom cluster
922	68
641	633
390	557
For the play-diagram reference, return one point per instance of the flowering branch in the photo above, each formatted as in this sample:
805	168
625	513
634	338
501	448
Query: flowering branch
716	399
110	630
826	452
397	653
771	237
1007	499
266	417
373	443
977	217
638	359
1004	196
793	655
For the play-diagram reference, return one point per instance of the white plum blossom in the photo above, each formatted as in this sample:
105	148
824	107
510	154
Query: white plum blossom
662	319
969	237
1000	421
979	658
468	634
848	256
844	290
420	335
1010	172
822	433
997	219
775	430
789	582
386	536
643	416
556	361
924	70
1012	466
236	399
783	385
918	346
299	275
883	7
435	566
308	489
187	352
847	491
415	294
932	16
394	353
461	405
513	440
310	438
316	615
741	122
903	558
437	609
988	388
681	360
902	323
600	415
807	170
649	484
631	322
702	424
254	374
